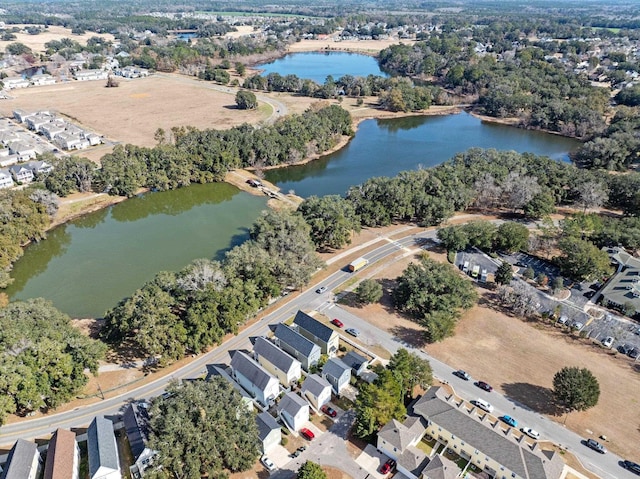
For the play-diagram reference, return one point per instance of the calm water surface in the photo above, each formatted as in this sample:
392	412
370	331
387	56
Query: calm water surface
318	65
86	266
386	147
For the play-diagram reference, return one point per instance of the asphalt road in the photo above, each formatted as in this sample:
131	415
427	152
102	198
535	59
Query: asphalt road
606	466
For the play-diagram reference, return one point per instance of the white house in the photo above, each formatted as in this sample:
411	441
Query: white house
53	128
102	450
15	82
63	456
254	378
269	432
337	373
24	151
294	411
88	75
316	390
40	167
42	80
7	160
287	369
21	173
6	180
23	462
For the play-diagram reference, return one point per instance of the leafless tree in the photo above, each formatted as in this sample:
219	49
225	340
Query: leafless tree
487	191
592	194
518	190
201	274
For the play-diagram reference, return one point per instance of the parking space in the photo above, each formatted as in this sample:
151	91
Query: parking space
623	332
372	460
279	455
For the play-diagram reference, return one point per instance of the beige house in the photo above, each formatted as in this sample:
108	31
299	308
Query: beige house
287	369
318	333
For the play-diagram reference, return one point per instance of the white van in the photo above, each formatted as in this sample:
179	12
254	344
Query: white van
482	404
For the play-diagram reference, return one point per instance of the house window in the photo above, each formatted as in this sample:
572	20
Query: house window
439	429
452	437
475	452
455	447
513	474
461	443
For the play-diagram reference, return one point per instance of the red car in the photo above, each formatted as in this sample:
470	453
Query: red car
337	322
388	466
329	411
308	435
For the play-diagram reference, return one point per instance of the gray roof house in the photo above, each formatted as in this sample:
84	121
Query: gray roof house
476	436
395	436
277	362
319	333
356	362
254	378
316	390
337	373
269	432
297	346
6	180
21	173
440	467
294	411
23	462
63	456
102	449
136	425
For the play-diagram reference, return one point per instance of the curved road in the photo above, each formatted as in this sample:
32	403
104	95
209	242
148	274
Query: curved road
279	109
606	466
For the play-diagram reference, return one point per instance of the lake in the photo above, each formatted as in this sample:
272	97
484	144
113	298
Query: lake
87	265
386	147
318	65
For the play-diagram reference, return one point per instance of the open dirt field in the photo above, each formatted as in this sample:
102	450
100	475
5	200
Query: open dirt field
133	112
520	358
36	42
362	46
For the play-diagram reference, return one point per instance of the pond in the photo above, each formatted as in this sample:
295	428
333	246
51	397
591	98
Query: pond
386	147
318	65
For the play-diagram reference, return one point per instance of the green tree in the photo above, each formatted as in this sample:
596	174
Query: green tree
433	294
511	237
576	389
203	429
246	100
368	291
557	284
378	403
504	273
529	273
453	238
241	69
311	470
410	370
582	260
332	220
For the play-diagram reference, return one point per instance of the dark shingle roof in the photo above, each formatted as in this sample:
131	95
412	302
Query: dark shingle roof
519	458
101	445
315	384
313	326
60	455
441	468
354	360
20	460
273	354
335	368
292	403
413	460
295	340
251	370
266	423
136	425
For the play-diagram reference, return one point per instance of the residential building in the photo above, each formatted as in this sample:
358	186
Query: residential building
316	390
42	79
297	346
23	462
223	371
287	369
269	432
440	467
63	456
337	373
622	291
6	180
356	362
319	333
136	425
102	450
88	75
254	378
21	115
23	150
51	129
398	440
21	173
69	141
492	446
40	167
294	411
35	121
15	82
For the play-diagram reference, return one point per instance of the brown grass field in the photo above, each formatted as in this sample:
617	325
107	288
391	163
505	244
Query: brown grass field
519	359
36	42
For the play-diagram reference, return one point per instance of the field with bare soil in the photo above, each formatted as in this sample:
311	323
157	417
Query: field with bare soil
519	359
53	32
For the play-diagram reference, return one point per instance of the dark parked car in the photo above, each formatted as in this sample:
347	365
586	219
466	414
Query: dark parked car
462	374
388	466
483	385
634	353
596	446
329	411
632	466
625	348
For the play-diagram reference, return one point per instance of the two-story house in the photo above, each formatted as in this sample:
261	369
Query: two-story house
337	373
294	411
283	366
316	390
254	378
102	450
6	180
136	426
269	432
317	332
294	343
23	462
356	362
63	456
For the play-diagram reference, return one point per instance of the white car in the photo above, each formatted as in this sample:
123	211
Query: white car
607	342
482	404
532	433
268	463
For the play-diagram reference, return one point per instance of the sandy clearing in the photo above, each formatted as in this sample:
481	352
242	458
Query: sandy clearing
36	42
519	359
362	46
